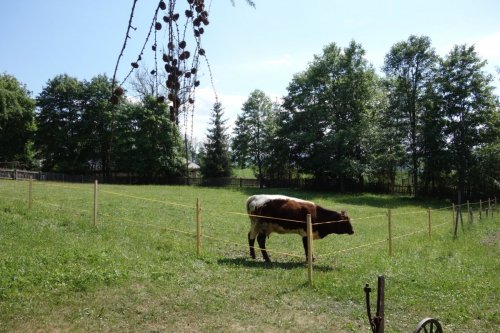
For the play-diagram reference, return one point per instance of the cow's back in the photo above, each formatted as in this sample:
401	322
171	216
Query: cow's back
279	209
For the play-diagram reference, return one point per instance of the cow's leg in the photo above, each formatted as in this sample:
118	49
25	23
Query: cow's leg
251	244
261	239
304	242
252	234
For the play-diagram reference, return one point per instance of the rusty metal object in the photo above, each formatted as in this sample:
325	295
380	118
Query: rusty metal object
368	290
428	325
376	322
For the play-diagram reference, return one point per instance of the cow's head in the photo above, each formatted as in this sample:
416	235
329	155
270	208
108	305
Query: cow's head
334	222
347	222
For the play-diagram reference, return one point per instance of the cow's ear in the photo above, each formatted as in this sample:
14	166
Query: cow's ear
343	214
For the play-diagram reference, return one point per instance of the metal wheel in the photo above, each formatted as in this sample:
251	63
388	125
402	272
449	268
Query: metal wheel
428	325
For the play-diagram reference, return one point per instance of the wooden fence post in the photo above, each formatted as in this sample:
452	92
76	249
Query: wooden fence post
480	209
494	205
381	303
469	219
489	208
459	216
429	219
95	202
309	251
198	227
455	221
453	214
30	202
389	226
471	215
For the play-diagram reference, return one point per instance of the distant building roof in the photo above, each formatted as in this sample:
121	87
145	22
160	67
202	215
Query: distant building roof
193	166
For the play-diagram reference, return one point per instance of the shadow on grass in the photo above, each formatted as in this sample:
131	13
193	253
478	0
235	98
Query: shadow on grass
356	199
376	200
251	263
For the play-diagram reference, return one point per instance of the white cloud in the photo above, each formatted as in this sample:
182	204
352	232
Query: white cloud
489	46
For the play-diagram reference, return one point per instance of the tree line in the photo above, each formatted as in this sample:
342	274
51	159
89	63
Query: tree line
71	127
436	119
340	124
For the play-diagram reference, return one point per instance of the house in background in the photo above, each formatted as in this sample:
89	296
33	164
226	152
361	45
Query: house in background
194	170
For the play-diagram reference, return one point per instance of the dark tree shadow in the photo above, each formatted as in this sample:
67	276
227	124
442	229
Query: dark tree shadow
357	199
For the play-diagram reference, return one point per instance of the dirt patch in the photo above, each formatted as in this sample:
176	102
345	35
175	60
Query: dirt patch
492	239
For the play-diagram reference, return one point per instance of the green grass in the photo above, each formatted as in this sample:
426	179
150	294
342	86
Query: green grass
134	273
244	173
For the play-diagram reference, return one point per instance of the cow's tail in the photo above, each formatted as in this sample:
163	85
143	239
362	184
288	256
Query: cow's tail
249	201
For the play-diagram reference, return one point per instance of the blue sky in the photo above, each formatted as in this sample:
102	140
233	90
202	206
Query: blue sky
248	48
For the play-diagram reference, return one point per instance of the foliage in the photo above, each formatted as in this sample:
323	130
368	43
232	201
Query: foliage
328	107
384	147
239	143
59	117
17	122
216	160
97	124
409	68
80	131
277	164
432	145
470	111
146	141
343	125
252	132
340	124
243	173
75	124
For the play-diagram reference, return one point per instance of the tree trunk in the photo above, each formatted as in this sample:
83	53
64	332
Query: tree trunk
261	178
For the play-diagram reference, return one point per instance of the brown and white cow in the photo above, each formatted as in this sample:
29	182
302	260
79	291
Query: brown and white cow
282	214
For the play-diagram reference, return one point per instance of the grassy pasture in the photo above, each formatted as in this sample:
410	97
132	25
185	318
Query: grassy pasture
138	270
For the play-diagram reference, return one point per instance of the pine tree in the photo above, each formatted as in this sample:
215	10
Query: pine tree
216	161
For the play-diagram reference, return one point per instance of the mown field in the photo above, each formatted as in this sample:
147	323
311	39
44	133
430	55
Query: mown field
138	271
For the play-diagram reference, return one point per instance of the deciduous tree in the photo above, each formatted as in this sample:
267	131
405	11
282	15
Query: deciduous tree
328	105
251	132
17	122
409	67
146	141
470	111
97	123
59	119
